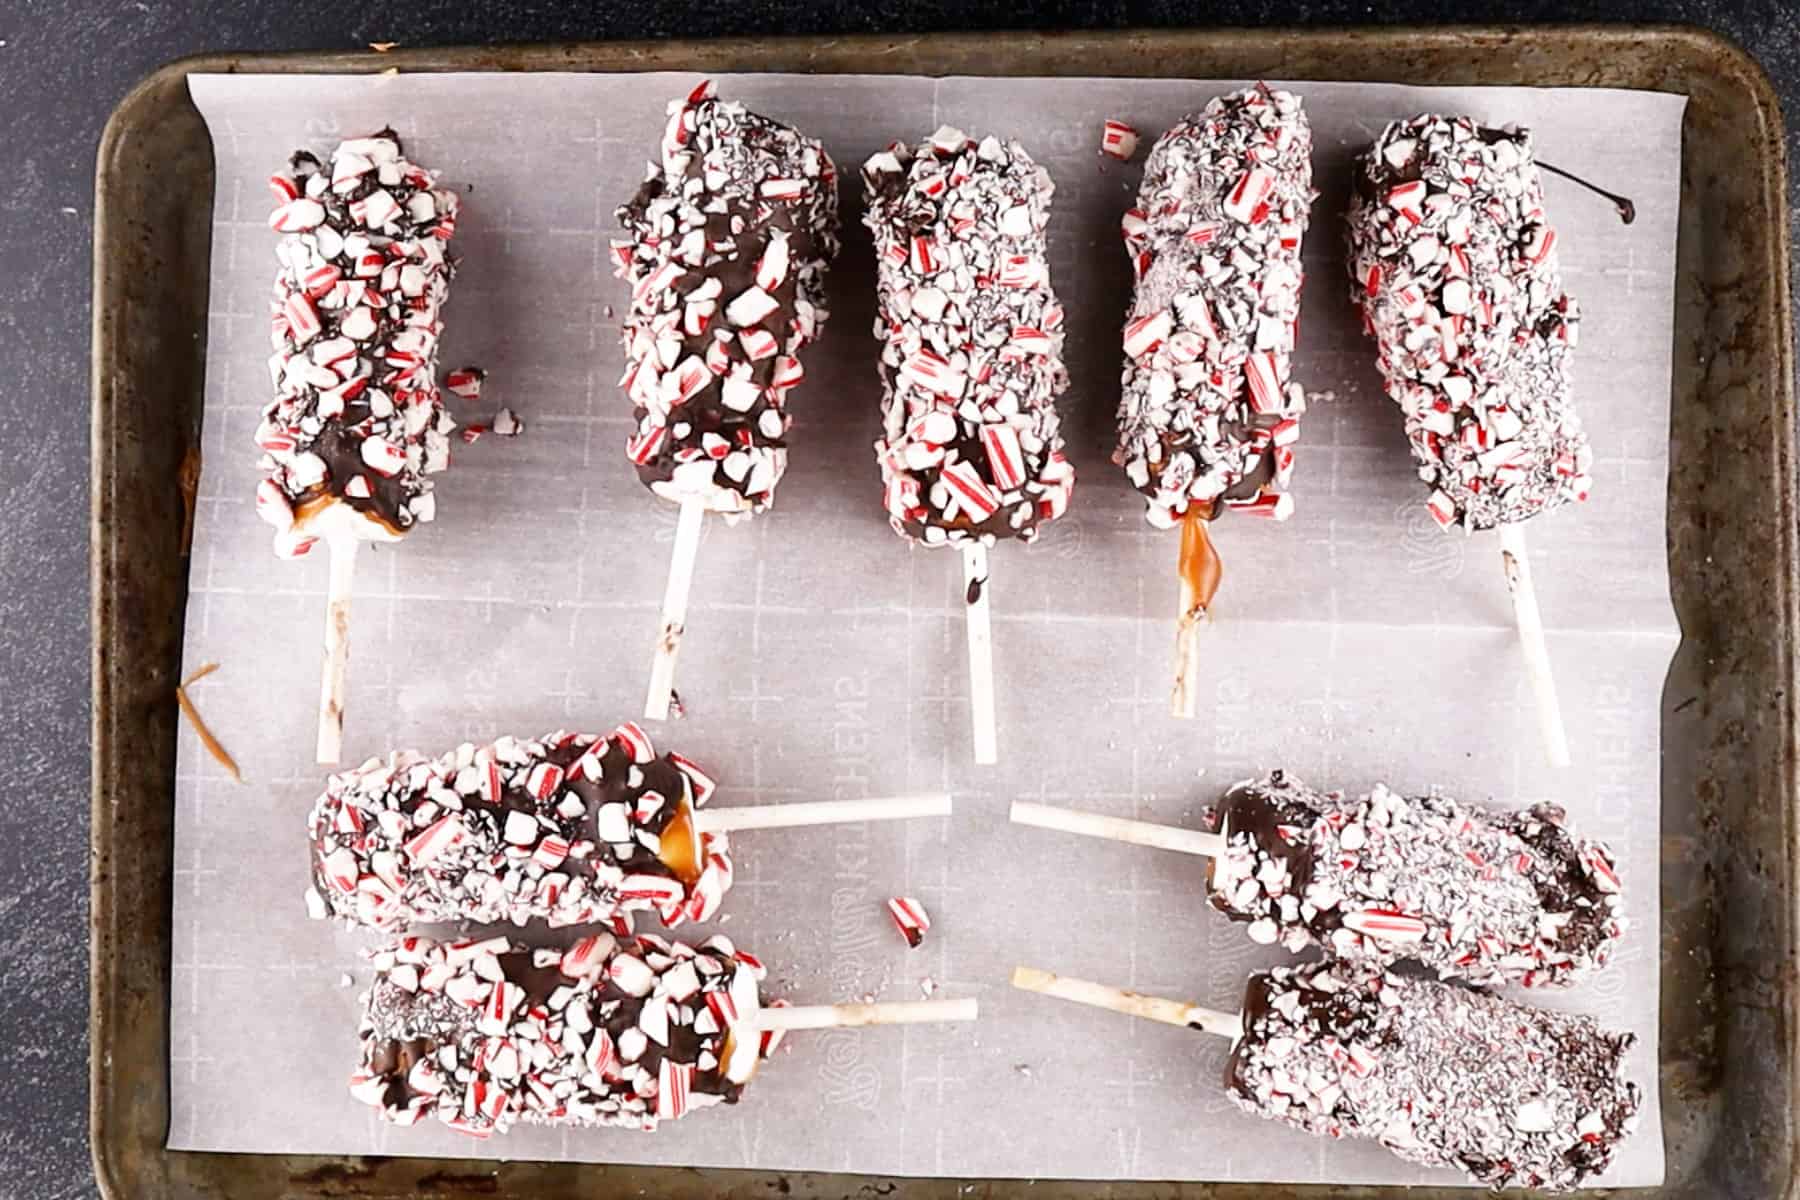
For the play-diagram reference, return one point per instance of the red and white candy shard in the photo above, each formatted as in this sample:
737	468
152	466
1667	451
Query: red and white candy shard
357	423
1118	140
625	1032
972	337
568	828
736	201
1441	1075
1209	413
910	918
1453	262
1486	897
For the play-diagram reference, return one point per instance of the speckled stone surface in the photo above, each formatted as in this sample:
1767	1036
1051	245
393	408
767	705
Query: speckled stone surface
63	66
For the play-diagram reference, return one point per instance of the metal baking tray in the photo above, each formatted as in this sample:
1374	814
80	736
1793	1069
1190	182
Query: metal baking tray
1730	997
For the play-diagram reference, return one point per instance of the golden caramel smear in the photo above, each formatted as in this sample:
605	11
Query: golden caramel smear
1200	568
321	499
188	480
192	714
680	847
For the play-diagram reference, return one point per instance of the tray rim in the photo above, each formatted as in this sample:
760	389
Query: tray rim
1684	44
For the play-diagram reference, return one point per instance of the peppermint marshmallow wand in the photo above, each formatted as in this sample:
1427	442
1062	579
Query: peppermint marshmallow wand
572	828
1208	415
614	1032
1454	264
1489	897
971	362
358	422
728	244
1438	1074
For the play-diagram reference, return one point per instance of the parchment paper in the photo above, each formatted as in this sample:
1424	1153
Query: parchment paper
825	657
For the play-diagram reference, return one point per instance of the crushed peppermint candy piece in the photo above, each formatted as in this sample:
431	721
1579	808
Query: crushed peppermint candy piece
571	828
910	918
484	1036
739	202
1487	897
358	422
972	336
1118	140
1441	1075
465	382
1454	267
1215	243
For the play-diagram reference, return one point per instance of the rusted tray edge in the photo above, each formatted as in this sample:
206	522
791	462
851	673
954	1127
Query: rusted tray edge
130	690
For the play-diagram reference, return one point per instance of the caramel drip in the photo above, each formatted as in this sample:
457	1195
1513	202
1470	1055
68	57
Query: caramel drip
322	499
1199	567
680	846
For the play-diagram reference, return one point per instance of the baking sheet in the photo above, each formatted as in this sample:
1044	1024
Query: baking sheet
824	656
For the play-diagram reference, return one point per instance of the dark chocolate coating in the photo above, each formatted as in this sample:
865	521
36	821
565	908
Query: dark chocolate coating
407	1021
1489	897
965	222
739	219
1454	264
486	877
412	415
1441	1075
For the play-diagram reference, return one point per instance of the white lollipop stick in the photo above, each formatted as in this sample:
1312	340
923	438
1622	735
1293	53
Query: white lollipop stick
1190	623
1517	565
1132	1004
837	1016
981	652
674	610
821	812
337	650
1119	829
1198	569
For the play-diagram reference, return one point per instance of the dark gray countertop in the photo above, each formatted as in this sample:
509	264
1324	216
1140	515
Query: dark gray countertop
63	66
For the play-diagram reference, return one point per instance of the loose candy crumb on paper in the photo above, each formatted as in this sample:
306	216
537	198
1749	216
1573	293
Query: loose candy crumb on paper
911	919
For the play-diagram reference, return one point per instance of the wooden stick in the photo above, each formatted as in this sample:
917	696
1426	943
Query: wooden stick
1517	564
337	650
1199	571
674	610
1119	829
1190	623
1132	1004
821	812
838	1016
981	652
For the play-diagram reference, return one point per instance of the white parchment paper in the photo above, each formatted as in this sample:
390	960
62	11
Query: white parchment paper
825	658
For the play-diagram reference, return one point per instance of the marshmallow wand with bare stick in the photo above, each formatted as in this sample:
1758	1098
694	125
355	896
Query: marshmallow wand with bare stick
1454	263
358	422
570	828
626	1032
718	321
971	363
1439	1074
1491	897
1208	413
